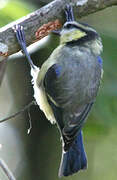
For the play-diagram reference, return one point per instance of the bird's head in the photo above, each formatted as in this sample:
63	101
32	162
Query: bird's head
76	33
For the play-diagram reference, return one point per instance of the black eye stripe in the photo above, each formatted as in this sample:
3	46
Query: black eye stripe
68	26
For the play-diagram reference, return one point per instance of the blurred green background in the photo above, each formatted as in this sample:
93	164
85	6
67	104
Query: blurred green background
37	155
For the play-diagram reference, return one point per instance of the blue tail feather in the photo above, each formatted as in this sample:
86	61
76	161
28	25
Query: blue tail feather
74	159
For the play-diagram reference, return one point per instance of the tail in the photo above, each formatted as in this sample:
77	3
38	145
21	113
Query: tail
74	159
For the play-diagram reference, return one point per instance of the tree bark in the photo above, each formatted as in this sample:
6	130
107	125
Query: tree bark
2	69
50	12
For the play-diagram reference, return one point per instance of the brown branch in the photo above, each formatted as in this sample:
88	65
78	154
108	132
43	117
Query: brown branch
48	13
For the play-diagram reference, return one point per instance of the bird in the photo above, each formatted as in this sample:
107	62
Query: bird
66	85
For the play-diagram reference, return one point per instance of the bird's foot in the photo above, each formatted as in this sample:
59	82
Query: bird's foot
69	13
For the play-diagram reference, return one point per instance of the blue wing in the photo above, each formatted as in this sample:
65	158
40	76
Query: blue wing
74	156
100	60
50	80
69	123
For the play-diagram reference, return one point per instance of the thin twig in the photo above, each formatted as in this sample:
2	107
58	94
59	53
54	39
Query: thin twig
30	122
19	112
6	170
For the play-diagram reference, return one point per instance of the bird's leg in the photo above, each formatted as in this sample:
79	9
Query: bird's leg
69	17
69	13
19	31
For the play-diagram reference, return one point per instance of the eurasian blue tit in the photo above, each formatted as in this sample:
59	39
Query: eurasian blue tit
66	86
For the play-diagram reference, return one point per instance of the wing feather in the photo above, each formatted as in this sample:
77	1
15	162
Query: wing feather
69	123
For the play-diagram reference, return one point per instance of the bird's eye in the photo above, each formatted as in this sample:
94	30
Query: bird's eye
68	26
